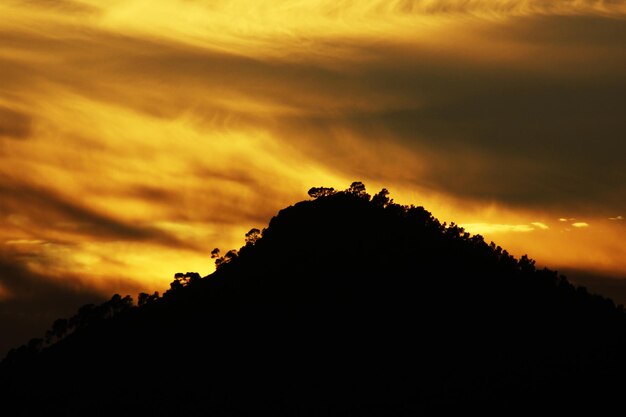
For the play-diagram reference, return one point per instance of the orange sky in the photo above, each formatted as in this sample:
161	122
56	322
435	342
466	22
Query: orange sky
137	135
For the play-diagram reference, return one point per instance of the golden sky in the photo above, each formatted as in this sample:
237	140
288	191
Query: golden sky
137	135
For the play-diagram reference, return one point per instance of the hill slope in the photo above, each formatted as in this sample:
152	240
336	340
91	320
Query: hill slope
344	305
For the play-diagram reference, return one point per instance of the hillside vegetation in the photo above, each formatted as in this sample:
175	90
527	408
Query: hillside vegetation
346	304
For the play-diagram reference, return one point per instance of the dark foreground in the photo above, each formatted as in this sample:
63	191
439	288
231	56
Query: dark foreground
344	306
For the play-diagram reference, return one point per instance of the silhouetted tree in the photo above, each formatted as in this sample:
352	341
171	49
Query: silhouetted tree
116	305
228	257
182	280
381	199
526	264
357	188
59	329
317	192
35	345
144	298
85	315
252	236
192	277
179	281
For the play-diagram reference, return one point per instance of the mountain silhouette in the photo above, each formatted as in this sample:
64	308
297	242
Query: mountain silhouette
345	305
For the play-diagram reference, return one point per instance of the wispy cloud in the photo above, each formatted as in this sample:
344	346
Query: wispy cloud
499	228
541	226
127	135
14	124
491	228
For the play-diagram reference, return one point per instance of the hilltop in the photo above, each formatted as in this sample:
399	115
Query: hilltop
346	304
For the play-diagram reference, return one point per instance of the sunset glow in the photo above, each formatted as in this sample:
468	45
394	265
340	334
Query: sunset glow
137	135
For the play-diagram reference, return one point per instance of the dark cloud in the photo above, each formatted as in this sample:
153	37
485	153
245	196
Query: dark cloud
209	203
156	195
233	196
14	124
573	32
62	212
543	130
34	301
539	114
65	6
497	7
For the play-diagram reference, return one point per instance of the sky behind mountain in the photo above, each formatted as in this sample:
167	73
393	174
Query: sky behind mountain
137	135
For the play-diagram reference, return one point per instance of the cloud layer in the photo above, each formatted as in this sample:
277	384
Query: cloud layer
135	135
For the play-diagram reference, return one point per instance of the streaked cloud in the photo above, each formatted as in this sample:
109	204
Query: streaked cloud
14	124
490	228
24	242
580	225
137	135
